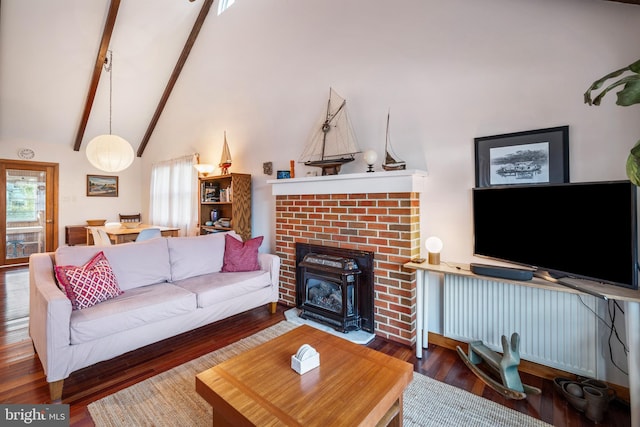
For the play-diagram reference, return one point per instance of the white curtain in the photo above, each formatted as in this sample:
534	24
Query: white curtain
174	195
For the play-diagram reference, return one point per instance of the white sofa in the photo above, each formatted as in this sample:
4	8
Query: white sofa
171	285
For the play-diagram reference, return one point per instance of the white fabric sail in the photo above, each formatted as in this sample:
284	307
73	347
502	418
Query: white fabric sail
225	159
391	160
333	142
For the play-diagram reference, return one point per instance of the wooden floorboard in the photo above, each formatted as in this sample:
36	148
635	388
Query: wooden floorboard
22	379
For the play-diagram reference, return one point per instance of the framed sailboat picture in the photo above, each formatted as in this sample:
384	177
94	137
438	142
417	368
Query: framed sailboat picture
532	157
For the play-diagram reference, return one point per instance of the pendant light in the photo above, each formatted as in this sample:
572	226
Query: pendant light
110	153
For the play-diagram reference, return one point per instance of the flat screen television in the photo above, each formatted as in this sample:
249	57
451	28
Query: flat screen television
577	230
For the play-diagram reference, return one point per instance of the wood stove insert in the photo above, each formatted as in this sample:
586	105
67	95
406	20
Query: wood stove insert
334	286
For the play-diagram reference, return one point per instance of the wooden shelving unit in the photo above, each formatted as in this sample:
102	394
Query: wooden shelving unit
230	195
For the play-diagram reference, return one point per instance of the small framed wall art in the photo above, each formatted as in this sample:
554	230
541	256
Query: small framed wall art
102	186
532	157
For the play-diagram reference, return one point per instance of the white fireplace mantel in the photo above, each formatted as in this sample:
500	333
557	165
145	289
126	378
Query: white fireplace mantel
353	183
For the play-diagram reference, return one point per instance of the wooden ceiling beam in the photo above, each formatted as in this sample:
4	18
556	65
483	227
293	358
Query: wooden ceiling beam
175	74
97	70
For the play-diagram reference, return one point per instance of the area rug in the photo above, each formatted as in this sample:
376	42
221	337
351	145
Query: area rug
170	399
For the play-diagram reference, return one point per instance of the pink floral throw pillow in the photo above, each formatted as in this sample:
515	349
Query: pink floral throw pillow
89	284
239	256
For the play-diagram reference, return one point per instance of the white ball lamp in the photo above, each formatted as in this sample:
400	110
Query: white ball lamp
110	153
370	157
434	247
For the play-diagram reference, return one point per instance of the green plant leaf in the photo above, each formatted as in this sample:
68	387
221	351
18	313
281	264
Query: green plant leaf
622	81
598	84
633	170
631	93
628	95
635	151
633	164
635	67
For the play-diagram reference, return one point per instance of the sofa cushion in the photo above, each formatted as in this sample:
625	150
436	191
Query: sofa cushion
216	287
134	264
135	307
196	255
241	256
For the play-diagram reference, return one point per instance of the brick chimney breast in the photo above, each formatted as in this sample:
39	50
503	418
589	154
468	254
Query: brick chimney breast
377	212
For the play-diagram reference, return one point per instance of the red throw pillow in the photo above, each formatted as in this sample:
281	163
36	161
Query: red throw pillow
89	284
239	256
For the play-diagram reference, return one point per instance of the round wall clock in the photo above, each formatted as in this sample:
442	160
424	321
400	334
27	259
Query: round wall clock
26	153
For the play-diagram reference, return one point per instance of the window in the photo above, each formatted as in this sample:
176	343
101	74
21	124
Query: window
224	5
25	195
174	195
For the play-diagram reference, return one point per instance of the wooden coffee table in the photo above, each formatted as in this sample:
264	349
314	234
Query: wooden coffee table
353	386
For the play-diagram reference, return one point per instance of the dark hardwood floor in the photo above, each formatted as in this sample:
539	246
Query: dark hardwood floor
22	379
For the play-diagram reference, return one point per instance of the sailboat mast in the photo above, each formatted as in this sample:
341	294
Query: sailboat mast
325	125
386	141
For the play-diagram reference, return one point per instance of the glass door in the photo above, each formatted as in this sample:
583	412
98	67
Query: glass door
29	214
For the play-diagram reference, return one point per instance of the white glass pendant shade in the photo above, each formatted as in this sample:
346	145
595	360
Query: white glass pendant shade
110	153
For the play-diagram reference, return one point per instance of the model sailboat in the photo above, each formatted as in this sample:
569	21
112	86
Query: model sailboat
333	143
225	159
391	161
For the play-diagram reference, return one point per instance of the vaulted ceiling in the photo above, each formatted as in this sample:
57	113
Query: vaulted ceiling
101	59
53	54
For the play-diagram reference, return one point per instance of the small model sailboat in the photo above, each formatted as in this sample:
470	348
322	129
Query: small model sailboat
225	159
391	161
333	143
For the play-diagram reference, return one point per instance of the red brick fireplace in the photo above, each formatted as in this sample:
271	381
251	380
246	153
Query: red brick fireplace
377	212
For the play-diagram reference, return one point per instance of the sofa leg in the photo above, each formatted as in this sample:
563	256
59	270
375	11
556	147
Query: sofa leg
55	391
273	306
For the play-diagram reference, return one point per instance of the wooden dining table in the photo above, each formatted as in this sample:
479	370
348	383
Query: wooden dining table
119	234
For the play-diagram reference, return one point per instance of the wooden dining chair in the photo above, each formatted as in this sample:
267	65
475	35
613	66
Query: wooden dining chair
131	218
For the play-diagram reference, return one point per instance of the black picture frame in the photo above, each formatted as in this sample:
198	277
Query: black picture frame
538	156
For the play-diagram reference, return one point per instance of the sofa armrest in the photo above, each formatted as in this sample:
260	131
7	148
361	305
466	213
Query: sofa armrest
49	316
271	263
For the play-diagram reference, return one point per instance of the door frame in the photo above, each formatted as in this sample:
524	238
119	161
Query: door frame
51	221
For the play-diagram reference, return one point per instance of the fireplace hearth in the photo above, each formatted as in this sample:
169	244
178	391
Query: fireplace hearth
335	287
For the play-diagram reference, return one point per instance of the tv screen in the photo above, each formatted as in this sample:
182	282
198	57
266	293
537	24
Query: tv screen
578	230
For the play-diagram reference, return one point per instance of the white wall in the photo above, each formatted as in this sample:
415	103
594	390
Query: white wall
449	72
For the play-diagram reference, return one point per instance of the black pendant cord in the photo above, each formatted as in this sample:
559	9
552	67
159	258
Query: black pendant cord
108	67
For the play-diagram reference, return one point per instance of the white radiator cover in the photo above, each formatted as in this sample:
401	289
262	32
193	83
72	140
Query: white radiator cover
556	329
